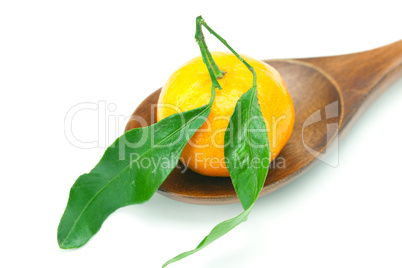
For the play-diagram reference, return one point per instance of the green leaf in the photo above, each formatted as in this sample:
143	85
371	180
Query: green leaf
246	148
130	172
247	151
217	232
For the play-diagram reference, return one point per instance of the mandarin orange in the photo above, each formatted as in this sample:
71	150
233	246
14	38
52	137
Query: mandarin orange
190	87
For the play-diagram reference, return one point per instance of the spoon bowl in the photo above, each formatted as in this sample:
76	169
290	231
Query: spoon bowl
328	93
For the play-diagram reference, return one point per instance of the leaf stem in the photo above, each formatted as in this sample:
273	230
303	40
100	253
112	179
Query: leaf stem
212	67
223	41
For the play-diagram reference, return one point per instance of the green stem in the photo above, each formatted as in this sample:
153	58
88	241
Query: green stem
202	22
213	69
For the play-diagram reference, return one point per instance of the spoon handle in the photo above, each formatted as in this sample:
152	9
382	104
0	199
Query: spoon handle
362	77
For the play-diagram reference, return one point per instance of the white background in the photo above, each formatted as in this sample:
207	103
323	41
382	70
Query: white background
56	54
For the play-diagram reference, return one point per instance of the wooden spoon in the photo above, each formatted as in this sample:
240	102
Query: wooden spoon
329	95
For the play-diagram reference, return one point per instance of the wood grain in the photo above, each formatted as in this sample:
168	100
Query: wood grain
336	89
